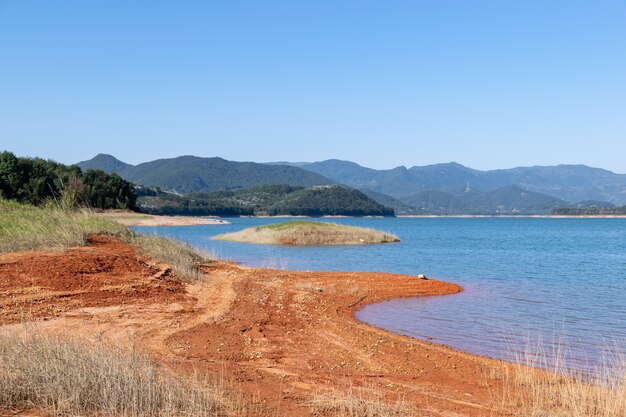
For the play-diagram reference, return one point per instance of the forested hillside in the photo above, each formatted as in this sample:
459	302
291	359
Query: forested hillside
271	200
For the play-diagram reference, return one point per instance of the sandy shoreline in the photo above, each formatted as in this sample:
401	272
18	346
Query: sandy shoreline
280	335
130	218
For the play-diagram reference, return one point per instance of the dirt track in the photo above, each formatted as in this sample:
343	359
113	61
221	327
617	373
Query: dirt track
281	336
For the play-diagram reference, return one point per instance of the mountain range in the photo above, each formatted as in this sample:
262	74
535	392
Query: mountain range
190	174
571	183
448	188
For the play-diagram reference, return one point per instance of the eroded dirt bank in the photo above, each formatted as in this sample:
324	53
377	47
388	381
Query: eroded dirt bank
280	336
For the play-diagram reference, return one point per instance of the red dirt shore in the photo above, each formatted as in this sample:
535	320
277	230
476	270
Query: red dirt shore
278	336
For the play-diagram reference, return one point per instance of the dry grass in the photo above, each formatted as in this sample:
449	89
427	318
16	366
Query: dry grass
555	391
277	263
308	233
62	377
308	286
357	403
183	259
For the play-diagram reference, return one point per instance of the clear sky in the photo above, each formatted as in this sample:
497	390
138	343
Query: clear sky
489	84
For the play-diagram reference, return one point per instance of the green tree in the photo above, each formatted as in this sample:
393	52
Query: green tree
104	191
11	176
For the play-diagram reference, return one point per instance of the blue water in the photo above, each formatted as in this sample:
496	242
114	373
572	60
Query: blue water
561	280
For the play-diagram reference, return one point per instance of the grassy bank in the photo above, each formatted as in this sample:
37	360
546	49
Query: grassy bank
25	227
308	233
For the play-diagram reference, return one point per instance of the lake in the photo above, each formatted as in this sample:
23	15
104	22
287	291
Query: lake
559	280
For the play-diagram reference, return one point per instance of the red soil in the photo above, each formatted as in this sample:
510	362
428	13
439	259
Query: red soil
105	273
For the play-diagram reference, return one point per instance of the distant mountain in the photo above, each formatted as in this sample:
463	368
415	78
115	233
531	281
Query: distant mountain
270	200
188	174
567	182
506	200
394	182
106	163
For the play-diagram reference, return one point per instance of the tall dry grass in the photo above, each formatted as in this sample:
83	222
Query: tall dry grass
66	377
358	402
307	233
275	262
543	385
183	259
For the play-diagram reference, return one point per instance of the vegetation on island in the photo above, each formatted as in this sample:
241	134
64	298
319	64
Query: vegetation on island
38	181
309	233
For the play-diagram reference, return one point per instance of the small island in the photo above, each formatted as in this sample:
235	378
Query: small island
308	233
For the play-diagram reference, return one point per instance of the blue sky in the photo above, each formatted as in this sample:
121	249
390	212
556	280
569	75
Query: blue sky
489	84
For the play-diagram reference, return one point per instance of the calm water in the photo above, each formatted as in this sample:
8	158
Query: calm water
523	278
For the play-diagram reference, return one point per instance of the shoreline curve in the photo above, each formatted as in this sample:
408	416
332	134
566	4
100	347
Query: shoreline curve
281	336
